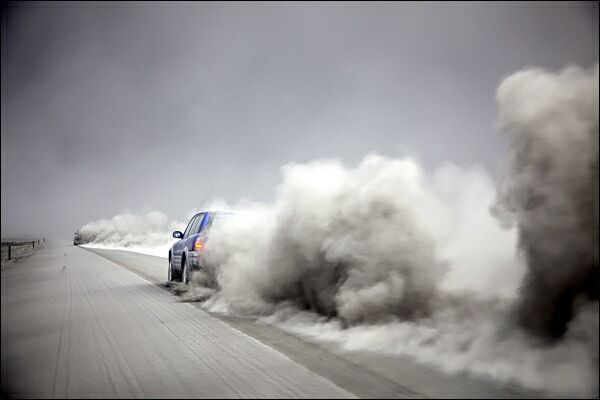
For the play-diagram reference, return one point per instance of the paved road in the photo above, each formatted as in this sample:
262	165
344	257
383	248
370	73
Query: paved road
77	323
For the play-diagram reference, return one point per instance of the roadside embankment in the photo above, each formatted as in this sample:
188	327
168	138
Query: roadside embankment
14	250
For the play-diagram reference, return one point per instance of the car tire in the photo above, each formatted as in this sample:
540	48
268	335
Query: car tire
172	275
185	272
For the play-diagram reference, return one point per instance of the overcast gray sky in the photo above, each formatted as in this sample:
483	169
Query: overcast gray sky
107	107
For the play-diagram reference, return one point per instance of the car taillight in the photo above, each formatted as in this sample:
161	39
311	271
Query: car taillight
199	244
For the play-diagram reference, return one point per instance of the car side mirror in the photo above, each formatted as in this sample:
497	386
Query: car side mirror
177	235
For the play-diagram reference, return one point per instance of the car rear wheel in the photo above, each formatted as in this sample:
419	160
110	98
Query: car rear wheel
185	273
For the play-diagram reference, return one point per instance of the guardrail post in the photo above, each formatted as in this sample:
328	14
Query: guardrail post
9	251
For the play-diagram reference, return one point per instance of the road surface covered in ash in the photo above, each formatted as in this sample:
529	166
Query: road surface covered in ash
81	323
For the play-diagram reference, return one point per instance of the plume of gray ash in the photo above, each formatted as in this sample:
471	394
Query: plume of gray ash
550	190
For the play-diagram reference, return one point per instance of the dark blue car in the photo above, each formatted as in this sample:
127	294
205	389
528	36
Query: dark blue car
186	255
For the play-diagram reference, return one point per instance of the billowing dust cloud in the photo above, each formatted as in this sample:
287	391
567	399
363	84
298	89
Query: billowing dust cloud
147	233
550	189
368	244
384	257
445	267
397	260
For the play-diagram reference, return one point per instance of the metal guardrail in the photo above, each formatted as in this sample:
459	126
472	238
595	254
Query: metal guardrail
13	250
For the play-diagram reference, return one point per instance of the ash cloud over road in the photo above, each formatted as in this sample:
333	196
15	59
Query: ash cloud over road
147	233
550	189
365	244
443	266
